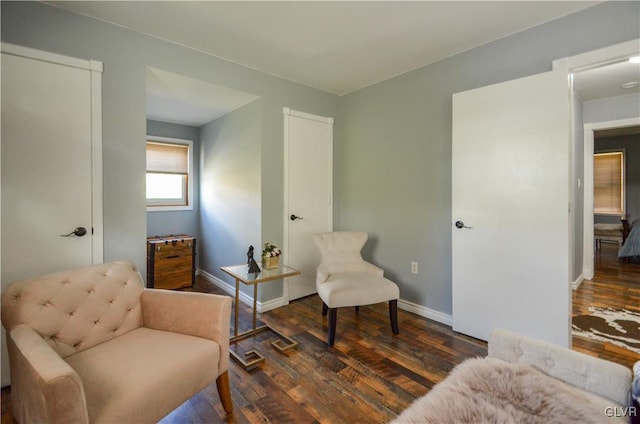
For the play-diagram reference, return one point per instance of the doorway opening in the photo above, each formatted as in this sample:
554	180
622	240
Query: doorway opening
590	130
604	284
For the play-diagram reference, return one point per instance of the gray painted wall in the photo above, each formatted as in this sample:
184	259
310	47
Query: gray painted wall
177	222
631	146
230	192
126	55
393	158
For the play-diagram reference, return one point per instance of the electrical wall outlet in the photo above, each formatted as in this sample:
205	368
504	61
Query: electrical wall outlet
414	267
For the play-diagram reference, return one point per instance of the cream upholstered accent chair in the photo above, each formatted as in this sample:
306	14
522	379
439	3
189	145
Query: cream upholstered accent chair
93	345
345	279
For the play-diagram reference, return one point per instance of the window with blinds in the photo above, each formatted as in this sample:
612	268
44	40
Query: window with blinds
167	174
608	182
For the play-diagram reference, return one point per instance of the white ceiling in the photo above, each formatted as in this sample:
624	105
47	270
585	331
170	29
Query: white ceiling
181	100
335	46
607	81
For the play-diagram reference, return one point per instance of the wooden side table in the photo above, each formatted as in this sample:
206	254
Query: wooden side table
241	274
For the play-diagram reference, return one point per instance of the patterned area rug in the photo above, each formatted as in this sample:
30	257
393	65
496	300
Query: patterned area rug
618	326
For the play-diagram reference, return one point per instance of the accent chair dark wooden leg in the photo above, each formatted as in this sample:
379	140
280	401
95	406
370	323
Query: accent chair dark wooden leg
333	314
393	316
224	391
324	309
357	308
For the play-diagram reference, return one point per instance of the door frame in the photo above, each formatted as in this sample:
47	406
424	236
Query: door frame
287	112
95	68
583	62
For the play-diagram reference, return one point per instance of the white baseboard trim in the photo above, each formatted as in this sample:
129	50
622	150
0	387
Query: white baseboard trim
282	301
244	298
425	312
577	282
272	304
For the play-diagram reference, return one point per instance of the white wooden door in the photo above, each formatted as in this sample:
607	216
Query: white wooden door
511	188
308	194
50	132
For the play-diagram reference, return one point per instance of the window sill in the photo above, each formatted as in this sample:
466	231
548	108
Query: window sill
169	208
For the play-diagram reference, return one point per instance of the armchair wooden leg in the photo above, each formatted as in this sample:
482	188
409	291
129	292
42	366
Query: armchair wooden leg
324	309
224	391
333	313
393	316
357	308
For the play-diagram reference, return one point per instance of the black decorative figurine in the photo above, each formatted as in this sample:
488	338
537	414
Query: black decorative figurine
253	266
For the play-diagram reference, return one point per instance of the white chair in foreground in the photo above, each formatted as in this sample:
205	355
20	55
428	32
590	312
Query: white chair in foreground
345	279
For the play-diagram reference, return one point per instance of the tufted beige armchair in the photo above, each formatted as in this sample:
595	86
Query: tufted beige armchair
343	278
93	345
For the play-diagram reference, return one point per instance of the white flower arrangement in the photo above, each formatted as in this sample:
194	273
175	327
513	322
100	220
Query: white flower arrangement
270	250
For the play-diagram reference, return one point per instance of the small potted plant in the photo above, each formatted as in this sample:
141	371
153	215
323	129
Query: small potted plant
271	256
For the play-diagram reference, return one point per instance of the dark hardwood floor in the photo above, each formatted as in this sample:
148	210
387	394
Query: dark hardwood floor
615	284
369	375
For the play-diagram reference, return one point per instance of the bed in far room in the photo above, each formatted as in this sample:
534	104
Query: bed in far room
631	245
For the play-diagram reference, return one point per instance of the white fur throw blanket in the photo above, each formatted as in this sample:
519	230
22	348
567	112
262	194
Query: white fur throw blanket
490	390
